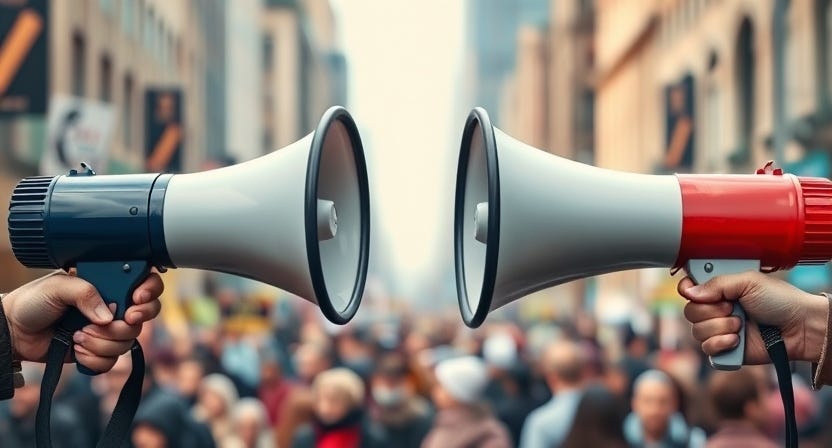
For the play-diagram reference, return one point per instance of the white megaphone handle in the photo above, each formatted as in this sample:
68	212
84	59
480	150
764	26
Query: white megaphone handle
700	271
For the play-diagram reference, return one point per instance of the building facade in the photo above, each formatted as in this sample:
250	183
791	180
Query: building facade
304	69
712	86
244	70
113	51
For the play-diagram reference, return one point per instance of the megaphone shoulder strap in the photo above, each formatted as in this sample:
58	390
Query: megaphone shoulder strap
128	400
776	348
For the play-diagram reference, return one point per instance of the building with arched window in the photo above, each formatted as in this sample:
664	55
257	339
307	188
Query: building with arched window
713	86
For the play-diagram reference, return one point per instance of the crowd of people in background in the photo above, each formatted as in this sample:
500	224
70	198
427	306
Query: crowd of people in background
414	381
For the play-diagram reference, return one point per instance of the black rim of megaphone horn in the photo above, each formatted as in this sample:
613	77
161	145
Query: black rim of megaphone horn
336	113
476	317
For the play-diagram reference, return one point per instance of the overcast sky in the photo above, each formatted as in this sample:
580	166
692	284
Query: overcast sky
404	65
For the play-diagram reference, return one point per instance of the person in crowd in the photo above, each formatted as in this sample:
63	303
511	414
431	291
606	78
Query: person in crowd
310	360
163	421
189	374
548	425
738	401
404	417
274	387
463	420
598	421
17	422
216	400
634	361
340	420
655	420
356	351
508	382
251	426
240	360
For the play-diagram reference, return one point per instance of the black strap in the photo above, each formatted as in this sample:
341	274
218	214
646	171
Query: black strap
128	401
776	348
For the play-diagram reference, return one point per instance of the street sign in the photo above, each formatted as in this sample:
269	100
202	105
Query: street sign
164	130
24	80
79	130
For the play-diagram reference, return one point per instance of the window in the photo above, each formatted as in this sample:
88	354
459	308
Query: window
823	25
106	79
149	26
268	52
745	83
159	40
128	16
78	66
106	6
127	112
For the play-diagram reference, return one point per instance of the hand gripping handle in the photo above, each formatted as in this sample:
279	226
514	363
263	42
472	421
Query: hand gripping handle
115	282
701	271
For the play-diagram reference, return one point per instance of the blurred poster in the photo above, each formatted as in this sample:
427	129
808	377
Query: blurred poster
24	81
79	130
164	130
680	128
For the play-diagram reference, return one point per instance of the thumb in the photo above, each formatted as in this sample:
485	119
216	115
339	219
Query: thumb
724	287
66	291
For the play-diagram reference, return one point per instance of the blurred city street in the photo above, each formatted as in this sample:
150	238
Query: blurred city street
653	87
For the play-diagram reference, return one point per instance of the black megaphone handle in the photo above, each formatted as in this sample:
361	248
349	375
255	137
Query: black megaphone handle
115	282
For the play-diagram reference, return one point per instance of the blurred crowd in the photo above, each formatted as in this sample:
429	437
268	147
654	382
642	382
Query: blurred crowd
288	379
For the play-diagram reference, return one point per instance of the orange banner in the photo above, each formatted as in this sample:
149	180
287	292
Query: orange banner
165	148
17	44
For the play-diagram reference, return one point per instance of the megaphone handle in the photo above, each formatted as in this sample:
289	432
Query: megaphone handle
115	282
701	271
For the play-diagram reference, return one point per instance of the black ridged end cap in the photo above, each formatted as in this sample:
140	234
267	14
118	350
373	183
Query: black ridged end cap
27	211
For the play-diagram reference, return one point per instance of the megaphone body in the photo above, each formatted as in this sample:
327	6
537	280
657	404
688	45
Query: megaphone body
526	220
297	218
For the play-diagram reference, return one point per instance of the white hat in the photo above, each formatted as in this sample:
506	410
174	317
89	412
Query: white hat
500	350
463	378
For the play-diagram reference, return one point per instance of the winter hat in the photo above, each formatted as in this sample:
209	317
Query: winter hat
500	350
463	378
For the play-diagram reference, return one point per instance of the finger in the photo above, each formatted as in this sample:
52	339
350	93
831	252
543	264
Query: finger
138	314
719	344
684	284
101	347
95	363
72	291
117	330
705	330
698	312
724	287
150	289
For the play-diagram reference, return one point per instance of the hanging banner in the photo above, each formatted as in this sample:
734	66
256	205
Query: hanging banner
24	81
79	130
164	130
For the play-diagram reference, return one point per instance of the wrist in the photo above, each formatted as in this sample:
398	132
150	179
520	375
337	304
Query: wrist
815	327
